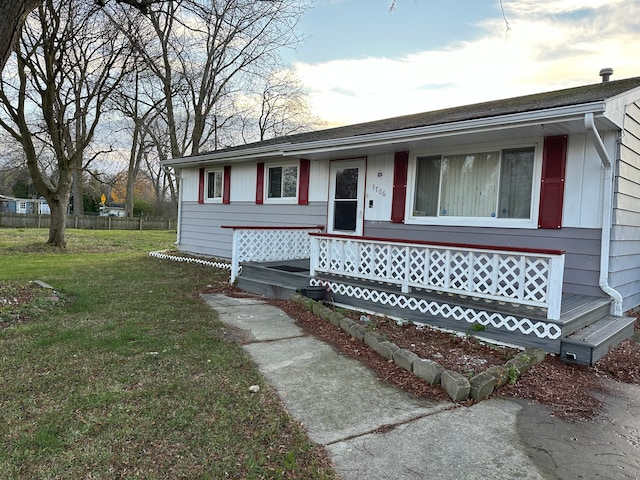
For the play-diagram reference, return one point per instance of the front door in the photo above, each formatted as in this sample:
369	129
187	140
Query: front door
346	197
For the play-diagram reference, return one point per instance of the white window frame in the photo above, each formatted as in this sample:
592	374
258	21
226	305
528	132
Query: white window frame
267	167
208	199
531	222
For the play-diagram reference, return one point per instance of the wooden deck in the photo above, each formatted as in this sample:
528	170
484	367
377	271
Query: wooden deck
583	333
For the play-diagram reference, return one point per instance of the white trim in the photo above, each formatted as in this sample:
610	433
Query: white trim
280	200
499	122
531	222
208	199
361	165
460	313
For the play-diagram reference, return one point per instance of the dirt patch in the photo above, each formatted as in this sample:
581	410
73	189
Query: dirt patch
20	302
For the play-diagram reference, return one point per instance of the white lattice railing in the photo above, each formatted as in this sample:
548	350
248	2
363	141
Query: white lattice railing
525	276
269	244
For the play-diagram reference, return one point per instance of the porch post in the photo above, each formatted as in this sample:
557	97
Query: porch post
235	261
313	256
554	287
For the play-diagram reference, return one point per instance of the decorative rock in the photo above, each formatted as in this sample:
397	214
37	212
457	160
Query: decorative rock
346	324
386	349
500	373
44	285
428	370
456	385
536	355
518	363
296	297
404	359
357	331
482	385
318	308
335	318
372	339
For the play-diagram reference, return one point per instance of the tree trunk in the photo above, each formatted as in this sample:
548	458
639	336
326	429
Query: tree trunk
57	228
78	193
13	14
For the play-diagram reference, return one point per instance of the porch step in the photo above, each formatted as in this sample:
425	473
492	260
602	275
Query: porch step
591	343
579	311
258	287
276	279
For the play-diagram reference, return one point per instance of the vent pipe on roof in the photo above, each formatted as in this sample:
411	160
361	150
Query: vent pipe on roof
606	73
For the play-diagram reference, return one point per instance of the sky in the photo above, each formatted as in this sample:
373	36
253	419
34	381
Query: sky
361	62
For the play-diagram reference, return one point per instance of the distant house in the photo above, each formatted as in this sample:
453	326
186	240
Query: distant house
37	206
520	216
112	211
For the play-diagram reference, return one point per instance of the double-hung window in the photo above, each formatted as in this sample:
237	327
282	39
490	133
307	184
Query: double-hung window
282	182
480	186
214	185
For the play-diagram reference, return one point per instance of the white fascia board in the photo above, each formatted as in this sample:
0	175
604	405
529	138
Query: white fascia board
500	122
560	114
222	157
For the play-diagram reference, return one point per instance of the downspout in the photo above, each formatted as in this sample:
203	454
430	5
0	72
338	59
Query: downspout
179	219
605	239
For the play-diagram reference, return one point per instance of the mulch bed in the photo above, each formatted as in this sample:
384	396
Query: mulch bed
568	390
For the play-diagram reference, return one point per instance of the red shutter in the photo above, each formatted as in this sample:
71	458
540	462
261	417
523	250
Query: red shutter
554	160
201	186
226	185
303	190
260	184
400	167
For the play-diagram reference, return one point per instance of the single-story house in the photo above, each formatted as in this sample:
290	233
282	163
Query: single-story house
518	217
37	206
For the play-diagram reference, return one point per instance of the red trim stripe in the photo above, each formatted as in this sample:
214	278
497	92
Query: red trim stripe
226	185
201	186
303	190
400	168
260	184
554	159
541	251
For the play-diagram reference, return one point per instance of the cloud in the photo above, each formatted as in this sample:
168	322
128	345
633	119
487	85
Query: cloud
550	44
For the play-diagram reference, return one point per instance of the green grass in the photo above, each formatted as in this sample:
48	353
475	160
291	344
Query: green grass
125	373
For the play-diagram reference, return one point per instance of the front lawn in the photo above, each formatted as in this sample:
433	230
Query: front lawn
122	372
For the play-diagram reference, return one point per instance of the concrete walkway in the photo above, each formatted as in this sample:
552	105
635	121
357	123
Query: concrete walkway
375	431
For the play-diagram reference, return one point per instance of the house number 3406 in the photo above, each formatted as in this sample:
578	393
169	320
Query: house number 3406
380	191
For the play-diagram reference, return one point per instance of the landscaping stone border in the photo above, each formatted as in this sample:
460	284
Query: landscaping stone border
457	386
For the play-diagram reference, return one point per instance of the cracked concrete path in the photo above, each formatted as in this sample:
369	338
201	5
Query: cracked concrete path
374	431
371	429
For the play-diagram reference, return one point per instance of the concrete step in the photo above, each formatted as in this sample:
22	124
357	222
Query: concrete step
591	343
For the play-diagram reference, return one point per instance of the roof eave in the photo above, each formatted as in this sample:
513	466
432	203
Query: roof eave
514	120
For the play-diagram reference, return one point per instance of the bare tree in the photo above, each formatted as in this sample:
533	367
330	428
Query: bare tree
68	61
15	12
202	55
278	107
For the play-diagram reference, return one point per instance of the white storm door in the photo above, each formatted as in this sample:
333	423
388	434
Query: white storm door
346	197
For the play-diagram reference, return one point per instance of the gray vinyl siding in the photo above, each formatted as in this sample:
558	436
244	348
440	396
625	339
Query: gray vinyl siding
582	246
201	232
624	271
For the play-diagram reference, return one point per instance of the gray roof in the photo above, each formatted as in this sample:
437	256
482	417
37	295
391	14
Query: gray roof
528	103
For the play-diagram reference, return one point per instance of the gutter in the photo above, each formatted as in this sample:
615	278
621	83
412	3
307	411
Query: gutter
605	239
334	144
